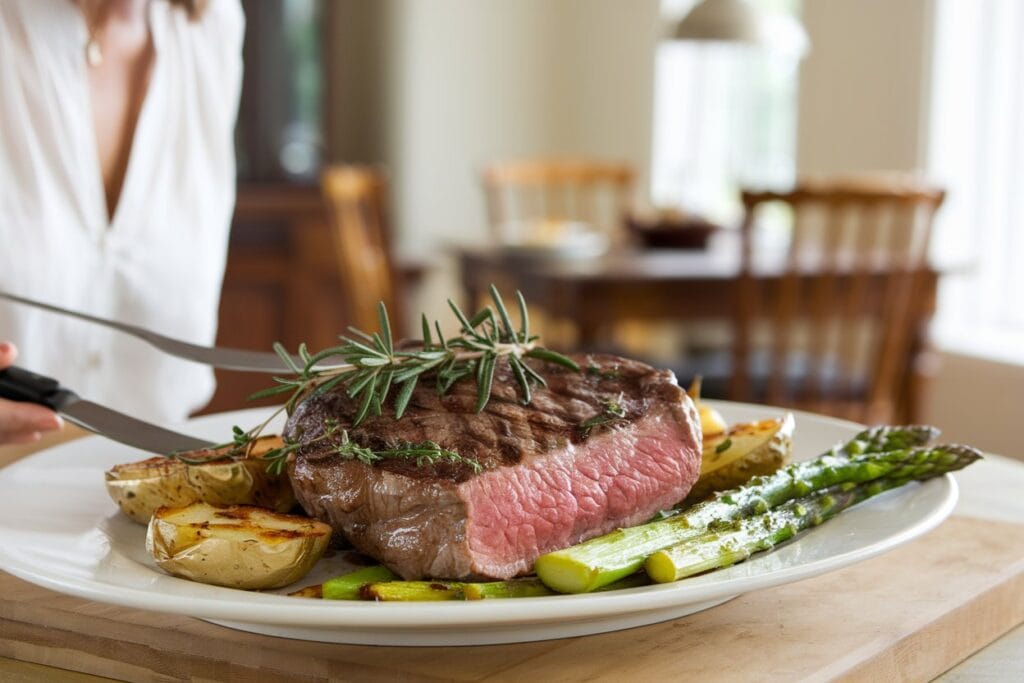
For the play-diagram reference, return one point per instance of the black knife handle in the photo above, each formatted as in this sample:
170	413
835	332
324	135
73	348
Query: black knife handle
19	384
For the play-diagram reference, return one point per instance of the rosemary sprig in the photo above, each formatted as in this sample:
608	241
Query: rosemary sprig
371	366
612	412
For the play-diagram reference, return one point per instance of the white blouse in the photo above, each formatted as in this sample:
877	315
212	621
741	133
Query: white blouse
160	260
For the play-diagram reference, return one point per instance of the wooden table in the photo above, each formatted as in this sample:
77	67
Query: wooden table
681	286
910	614
631	283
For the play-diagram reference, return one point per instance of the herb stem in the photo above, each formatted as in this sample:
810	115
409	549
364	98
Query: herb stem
372	366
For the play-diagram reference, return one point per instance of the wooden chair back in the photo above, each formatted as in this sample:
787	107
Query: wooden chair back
593	192
837	330
356	201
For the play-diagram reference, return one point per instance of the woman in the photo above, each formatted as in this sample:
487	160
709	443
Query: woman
117	119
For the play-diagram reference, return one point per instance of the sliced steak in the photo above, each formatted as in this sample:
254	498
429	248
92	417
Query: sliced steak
546	482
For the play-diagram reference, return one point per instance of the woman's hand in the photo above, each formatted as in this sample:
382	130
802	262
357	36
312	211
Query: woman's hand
22	422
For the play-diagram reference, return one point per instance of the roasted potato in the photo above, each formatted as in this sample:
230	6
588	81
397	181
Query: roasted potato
239	546
745	450
712	423
139	488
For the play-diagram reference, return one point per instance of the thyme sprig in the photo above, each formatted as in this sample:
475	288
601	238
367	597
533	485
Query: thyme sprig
237	449
611	413
424	453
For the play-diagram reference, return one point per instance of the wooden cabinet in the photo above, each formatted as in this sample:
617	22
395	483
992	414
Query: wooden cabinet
280	284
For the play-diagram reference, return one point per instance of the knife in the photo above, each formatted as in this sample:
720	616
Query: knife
218	357
18	384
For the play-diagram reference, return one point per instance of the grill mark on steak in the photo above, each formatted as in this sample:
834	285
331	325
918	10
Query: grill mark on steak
544	483
500	435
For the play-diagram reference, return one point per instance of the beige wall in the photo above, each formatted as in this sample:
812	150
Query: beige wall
980	402
459	83
472	81
863	86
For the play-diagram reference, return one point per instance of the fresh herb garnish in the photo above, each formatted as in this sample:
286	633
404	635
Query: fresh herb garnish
595	370
371	367
424	453
240	444
611	413
723	447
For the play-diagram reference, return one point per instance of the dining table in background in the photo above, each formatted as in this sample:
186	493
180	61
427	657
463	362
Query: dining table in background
682	286
916	613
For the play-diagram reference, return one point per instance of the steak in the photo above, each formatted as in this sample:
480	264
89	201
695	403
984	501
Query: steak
547	480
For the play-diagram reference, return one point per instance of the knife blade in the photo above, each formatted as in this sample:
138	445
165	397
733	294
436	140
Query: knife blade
19	384
242	360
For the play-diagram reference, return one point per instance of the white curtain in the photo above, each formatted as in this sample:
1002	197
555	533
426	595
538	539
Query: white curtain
976	149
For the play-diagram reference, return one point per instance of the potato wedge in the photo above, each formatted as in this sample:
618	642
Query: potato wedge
139	488
744	451
238	546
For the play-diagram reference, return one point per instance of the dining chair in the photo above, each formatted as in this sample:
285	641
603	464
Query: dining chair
839	328
356	202
597	193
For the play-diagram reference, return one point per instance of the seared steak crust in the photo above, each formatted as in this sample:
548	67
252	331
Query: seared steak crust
545	482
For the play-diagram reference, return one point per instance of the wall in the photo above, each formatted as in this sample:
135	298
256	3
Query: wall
440	88
471	82
978	401
863	86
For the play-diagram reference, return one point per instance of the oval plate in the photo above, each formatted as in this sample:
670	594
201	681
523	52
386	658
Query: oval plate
58	529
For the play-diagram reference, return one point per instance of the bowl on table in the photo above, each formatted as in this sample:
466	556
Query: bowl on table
671	231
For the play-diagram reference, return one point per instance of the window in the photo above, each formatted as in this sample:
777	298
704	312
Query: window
724	117
976	149
279	134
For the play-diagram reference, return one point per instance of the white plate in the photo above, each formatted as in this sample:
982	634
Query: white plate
553	240
59	529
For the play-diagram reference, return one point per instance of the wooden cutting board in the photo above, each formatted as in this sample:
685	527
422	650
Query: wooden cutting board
910	614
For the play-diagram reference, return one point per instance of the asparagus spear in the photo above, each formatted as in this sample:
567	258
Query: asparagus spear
387	590
349	586
886	438
414	591
736	541
603	560
419	591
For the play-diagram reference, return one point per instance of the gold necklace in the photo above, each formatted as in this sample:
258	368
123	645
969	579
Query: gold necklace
93	49
93	52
